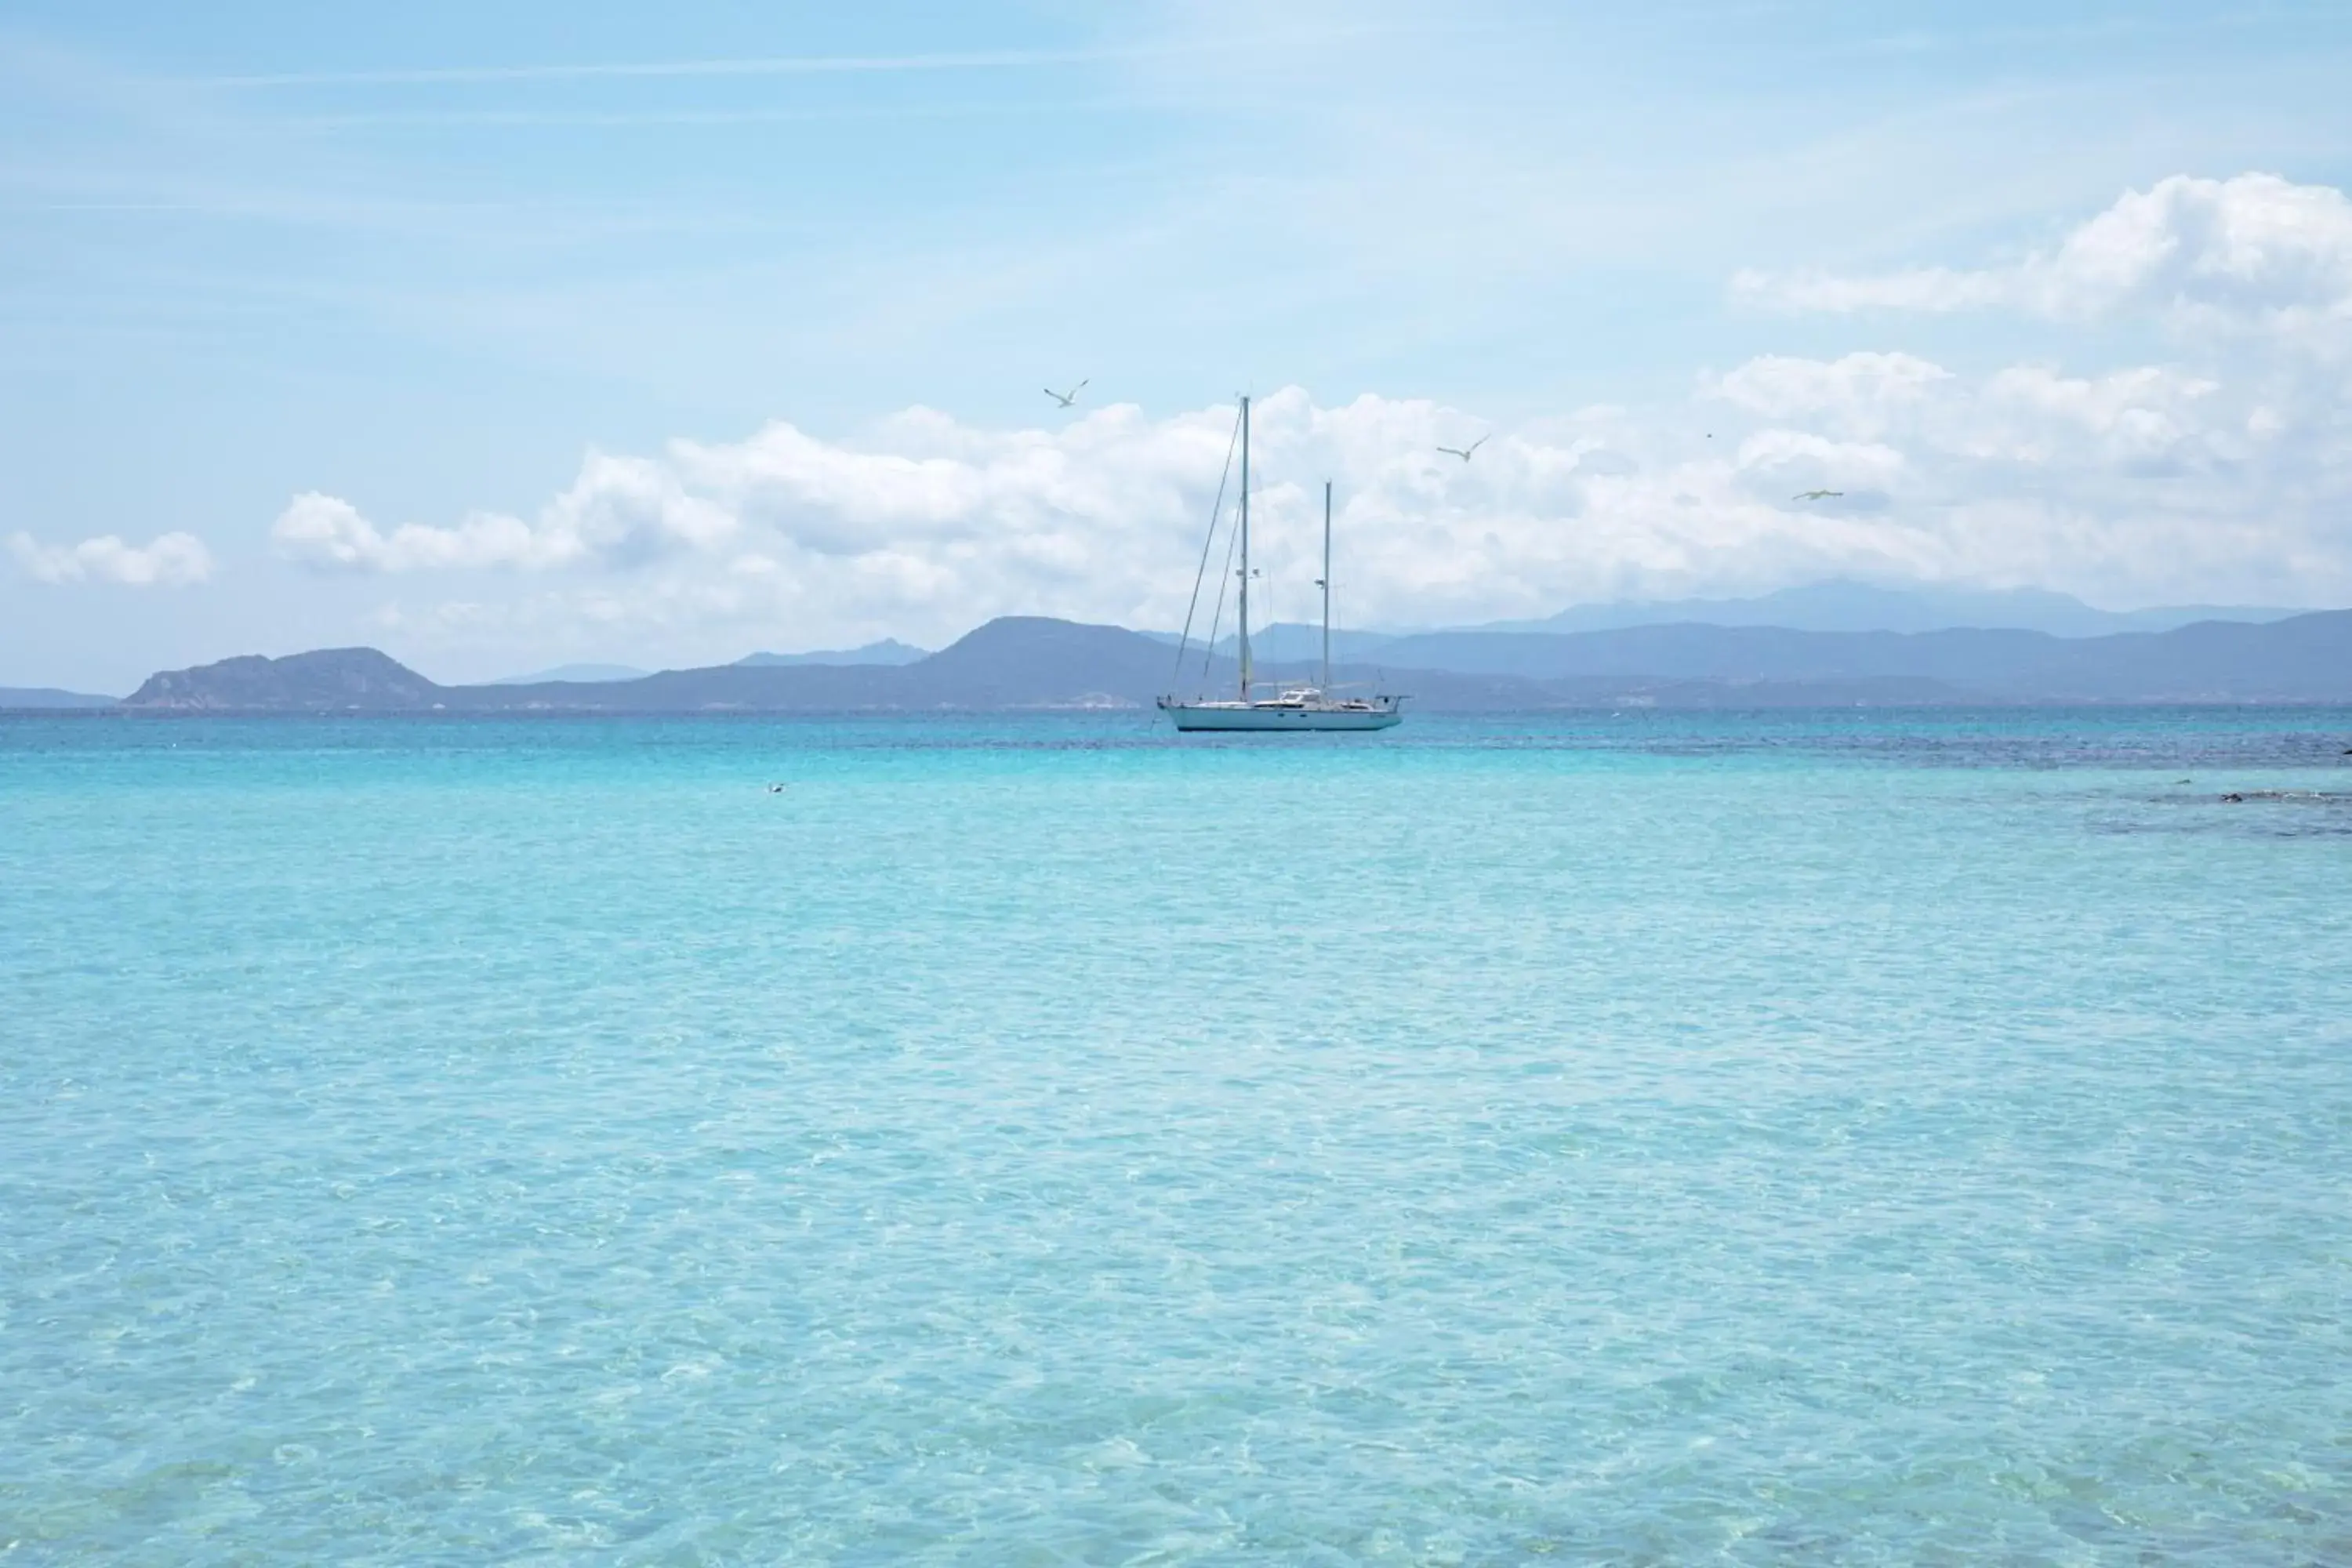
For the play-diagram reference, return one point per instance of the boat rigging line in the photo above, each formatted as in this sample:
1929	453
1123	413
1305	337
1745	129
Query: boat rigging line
1224	582
1215	512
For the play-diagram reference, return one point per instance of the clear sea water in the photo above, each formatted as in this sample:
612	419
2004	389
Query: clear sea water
1837	1137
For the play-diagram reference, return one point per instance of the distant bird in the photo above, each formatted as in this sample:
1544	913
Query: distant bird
1818	495
1066	398
775	789
1464	452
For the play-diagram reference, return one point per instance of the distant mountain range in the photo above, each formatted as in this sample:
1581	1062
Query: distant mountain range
573	673
1848	607
1030	662
889	650
1296	641
1832	606
1830	642
2302	658
1013	662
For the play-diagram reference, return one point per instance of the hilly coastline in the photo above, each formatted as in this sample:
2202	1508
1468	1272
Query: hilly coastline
32	698
1032	662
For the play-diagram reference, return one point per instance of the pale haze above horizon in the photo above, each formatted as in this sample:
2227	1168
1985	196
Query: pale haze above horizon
515	337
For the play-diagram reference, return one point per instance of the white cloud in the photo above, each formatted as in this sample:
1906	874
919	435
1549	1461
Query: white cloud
168	561
620	512
2128	485
2221	478
2256	250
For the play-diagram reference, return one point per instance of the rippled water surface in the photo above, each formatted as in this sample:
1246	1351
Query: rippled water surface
1644	1139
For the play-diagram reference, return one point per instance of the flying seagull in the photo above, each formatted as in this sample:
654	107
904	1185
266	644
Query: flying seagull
1818	495
1066	398
1464	452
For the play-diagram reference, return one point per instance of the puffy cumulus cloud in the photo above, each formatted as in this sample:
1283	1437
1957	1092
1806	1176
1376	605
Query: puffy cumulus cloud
2140	484
2253	250
167	560
620	512
327	532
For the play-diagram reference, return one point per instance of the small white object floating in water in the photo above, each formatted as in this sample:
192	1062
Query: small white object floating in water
1295	708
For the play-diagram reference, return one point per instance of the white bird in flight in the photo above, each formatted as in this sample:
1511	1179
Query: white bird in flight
1818	495
1464	452
1066	398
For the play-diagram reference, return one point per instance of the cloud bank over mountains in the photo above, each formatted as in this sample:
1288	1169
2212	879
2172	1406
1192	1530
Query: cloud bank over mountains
2222	471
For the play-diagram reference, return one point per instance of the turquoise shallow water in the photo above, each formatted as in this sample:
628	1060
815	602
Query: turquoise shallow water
1824	1138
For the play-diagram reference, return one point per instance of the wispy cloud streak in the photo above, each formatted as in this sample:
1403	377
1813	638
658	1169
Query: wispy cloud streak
628	118
767	66
977	61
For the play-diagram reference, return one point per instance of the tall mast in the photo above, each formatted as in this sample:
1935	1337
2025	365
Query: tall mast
1325	585
1245	647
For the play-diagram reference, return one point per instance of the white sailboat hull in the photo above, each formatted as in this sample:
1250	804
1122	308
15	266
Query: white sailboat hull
1287	718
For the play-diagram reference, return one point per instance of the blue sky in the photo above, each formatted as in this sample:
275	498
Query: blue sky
436	264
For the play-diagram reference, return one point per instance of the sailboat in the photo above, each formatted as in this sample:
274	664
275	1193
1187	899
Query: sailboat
1292	708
